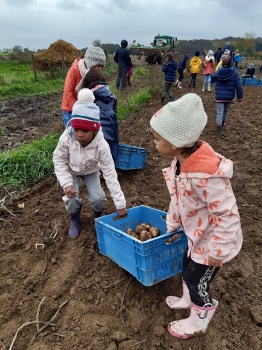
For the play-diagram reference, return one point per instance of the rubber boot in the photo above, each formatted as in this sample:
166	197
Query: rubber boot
203	87
73	231
209	87
162	100
179	85
196	323
176	82
219	130
98	214
171	98
179	303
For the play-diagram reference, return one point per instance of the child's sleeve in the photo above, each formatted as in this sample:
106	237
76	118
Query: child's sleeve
239	88
60	160
172	218
223	216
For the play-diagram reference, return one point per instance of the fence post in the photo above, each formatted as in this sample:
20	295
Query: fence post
33	62
63	61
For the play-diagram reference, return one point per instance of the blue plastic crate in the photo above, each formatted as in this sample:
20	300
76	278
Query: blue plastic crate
151	261
130	157
243	81
253	82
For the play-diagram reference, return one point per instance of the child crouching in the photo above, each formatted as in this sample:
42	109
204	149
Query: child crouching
81	153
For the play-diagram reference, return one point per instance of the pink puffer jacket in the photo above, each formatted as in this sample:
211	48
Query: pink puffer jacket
70	157
203	203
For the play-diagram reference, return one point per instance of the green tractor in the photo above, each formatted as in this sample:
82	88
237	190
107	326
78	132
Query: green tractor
156	52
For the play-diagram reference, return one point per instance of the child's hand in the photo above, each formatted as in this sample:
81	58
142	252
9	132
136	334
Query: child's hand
214	262
122	212
70	192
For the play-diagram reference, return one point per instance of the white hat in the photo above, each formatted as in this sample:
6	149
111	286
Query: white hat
86	95
182	121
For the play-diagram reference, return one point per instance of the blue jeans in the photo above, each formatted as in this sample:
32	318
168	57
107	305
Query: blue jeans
121	77
207	79
96	195
222	112
66	117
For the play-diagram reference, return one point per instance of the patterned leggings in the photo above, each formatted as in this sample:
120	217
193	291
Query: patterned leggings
198	278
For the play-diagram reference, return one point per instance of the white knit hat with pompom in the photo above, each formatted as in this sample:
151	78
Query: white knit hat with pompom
86	95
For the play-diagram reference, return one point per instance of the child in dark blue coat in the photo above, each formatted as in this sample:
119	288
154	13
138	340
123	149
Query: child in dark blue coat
227	84
107	103
181	70
169	69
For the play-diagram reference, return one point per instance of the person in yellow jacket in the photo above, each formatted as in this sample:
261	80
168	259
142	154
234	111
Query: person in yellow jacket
195	65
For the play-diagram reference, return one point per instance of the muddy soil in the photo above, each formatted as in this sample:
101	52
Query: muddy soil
99	305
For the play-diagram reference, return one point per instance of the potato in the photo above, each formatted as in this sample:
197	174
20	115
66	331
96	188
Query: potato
129	231
154	231
144	235
139	228
146	225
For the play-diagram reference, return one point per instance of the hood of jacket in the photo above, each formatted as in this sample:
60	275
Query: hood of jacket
195	59
124	43
206	161
225	73
102	92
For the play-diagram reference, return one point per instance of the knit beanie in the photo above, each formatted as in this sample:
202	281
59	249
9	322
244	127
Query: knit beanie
85	113
181	122
197	53
210	53
94	55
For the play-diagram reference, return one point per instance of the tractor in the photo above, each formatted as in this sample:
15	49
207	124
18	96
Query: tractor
156	52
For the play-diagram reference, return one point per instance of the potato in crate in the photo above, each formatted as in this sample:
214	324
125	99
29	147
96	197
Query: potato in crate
151	261
130	157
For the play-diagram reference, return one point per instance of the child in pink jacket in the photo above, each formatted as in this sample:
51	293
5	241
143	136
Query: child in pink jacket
208	63
81	153
202	202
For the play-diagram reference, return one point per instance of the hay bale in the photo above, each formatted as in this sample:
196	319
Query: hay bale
51	58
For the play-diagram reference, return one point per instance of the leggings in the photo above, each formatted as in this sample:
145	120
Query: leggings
198	278
167	89
181	75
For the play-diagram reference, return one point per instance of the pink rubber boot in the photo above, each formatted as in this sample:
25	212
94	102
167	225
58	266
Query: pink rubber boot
179	303
196	323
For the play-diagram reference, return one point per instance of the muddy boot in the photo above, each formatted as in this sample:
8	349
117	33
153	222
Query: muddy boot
162	100
179	85
179	303
203	87
196	323
73	231
171	98
209	87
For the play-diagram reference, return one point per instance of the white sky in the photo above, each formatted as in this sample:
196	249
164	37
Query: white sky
36	24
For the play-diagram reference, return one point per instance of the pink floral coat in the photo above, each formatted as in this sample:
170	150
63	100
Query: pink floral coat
203	203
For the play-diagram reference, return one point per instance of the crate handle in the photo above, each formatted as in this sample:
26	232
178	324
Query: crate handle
169	240
118	217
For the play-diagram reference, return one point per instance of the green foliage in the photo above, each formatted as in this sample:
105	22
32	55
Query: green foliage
29	163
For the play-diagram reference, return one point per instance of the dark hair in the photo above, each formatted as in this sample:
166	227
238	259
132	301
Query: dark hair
91	79
169	55
187	151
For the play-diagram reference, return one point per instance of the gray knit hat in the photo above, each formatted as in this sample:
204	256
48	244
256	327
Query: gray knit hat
94	55
182	121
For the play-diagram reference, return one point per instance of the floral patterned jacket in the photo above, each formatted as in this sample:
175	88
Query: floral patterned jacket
203	203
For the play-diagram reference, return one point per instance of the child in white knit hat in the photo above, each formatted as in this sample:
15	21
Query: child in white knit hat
81	153
202	202
94	59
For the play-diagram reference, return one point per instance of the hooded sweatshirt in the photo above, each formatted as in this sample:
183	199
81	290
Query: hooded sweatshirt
227	84
70	157
122	55
195	65
203	203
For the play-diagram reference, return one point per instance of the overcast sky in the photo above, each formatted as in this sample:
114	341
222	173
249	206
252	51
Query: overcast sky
36	24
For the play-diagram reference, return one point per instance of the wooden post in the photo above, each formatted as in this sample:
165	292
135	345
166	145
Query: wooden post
33	62
63	61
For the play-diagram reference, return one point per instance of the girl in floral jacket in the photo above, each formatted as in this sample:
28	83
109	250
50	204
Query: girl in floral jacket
208	64
202	202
